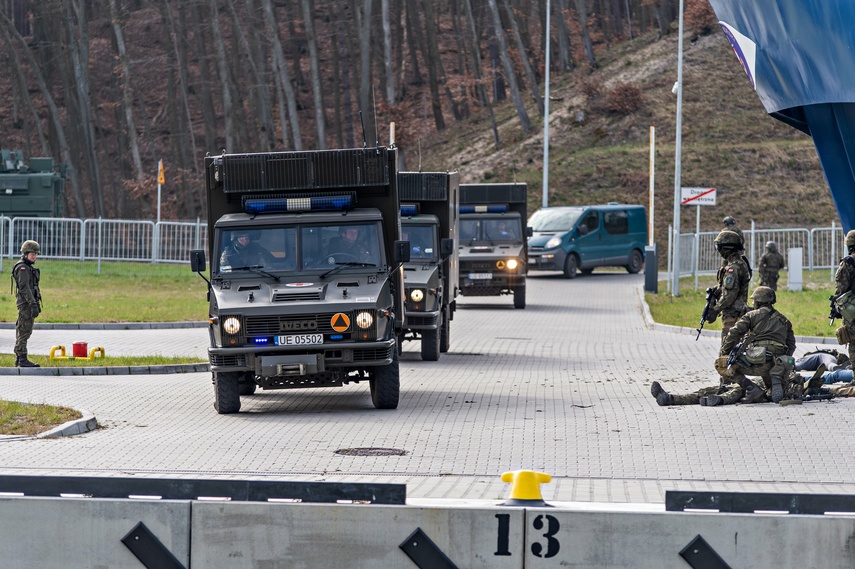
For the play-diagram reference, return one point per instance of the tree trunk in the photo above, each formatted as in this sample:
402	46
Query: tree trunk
225	77
387	52
365	69
475	50
509	72
565	55
280	71
529	72
205	85
317	87
127	94
582	14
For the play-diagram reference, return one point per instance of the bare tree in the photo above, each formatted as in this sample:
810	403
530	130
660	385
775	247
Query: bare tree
315	68
280	72
205	86
225	77
582	14
365	67
387	51
127	93
475	50
509	71
529	72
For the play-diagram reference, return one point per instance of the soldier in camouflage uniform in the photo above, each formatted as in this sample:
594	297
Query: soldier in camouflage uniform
730	225
770	264
726	393
734	277
767	350
845	279
26	277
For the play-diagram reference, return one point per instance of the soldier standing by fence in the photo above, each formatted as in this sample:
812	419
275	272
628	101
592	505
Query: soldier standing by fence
26	277
845	279
734	277
770	264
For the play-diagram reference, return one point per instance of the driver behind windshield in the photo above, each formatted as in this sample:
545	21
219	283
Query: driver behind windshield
349	246
243	251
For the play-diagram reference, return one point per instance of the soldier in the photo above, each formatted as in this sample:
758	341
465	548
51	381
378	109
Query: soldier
730	225
727	393
845	279
349	246
734	276
770	263
767	350
26	278
244	252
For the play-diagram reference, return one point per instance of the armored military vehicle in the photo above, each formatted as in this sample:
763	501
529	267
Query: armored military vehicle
493	240
429	222
33	189
306	280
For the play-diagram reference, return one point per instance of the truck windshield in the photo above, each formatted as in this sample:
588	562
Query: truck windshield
422	240
490	229
554	219
353	244
267	248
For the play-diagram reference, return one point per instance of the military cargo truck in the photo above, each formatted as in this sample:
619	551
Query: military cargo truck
306	279
429	222
493	240
33	189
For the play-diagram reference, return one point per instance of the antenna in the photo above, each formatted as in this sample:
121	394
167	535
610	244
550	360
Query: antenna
362	122
376	132
420	155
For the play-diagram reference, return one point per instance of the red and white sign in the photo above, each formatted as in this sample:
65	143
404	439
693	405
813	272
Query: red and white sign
697	196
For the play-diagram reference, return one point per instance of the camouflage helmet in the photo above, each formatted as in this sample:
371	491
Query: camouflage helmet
763	295
728	238
771	246
728	221
850	238
30	246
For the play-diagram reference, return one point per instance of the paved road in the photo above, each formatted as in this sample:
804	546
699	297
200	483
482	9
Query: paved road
561	387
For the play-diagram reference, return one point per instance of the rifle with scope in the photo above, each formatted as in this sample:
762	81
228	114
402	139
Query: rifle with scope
712	296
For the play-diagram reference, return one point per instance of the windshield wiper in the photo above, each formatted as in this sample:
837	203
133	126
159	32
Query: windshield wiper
340	265
256	269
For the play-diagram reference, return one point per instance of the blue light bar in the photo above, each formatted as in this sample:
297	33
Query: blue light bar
261	341
336	337
409	209
484	208
282	205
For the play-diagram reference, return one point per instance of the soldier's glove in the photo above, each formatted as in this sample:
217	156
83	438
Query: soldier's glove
711	317
35	310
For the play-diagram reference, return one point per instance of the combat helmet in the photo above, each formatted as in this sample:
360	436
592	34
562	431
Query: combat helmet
728	221
771	246
727	241
30	246
763	295
850	238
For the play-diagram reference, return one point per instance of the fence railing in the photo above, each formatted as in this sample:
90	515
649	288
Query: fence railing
104	239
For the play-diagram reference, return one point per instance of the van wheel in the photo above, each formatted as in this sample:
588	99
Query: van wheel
385	384
519	297
635	262
227	392
570	266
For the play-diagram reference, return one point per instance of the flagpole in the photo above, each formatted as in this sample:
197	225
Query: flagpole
159	184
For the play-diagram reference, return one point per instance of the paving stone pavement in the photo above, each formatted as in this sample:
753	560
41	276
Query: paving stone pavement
562	387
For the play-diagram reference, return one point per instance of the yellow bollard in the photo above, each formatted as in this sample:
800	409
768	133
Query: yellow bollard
525	487
93	353
61	350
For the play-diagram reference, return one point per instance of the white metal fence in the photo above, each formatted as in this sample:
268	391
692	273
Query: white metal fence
104	239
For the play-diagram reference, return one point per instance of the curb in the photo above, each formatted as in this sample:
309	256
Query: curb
113	370
110	326
86	423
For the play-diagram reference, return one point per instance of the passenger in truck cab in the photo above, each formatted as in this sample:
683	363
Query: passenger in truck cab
243	251
349	246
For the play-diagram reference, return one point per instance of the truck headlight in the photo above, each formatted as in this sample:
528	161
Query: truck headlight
231	325
417	295
364	320
553	243
512	264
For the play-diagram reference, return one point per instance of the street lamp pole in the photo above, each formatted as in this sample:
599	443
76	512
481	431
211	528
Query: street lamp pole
546	116
675	266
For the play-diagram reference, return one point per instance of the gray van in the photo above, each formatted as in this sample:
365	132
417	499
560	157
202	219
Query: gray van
585	237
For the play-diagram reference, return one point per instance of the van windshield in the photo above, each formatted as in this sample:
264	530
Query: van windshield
554	219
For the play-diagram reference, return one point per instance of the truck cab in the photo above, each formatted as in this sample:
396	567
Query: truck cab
493	240
306	287
429	222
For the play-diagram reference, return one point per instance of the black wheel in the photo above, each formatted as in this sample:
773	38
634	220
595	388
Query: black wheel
570	266
430	345
227	392
445	334
385	385
586	271
635	262
519	297
247	384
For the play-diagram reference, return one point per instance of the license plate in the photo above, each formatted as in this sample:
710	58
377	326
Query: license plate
480	276
300	340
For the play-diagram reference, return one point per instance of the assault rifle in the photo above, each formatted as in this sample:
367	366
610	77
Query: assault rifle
739	349
712	296
833	312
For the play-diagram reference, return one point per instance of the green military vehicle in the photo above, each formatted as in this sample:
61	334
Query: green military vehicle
429	222
34	189
493	240
306	285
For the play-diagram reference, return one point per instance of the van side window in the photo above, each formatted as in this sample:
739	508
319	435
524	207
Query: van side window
616	222
592	220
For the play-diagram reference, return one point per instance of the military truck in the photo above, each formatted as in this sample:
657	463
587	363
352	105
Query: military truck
429	221
493	240
34	189
306	281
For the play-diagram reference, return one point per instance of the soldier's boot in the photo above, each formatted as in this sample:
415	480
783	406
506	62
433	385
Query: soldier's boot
24	362
753	393
663	398
777	390
816	379
711	400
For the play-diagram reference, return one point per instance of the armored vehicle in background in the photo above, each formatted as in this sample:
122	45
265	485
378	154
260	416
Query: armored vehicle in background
306	280
33	189
429	222
493	240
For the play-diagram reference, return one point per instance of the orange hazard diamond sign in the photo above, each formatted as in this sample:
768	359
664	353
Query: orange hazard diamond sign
340	322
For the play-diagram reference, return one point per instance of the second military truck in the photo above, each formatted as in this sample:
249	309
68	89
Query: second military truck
306	286
493	237
429	221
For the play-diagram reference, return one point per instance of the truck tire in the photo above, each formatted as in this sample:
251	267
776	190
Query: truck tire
227	392
385	385
635	262
519	296
430	344
570	266
247	384
445	335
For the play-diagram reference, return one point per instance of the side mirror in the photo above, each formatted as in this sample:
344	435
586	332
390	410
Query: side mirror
583	229
529	231
402	252
446	247
197	261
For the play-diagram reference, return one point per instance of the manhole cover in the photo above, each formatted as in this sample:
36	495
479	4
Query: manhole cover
371	451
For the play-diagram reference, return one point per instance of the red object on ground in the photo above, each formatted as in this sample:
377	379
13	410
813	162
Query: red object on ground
78	349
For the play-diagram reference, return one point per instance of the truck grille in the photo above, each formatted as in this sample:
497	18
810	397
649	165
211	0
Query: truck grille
372	354
296	297
228	360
